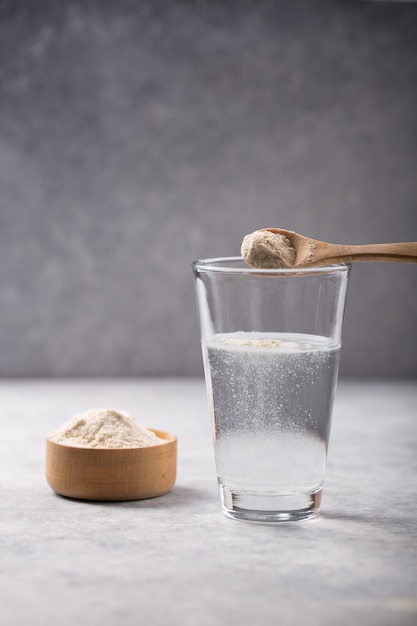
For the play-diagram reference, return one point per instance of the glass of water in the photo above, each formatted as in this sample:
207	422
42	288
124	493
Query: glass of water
271	342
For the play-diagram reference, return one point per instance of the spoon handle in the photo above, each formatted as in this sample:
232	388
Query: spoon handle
404	252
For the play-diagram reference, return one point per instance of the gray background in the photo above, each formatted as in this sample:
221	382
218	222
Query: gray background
138	136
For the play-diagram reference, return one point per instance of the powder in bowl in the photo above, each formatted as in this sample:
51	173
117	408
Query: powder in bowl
104	428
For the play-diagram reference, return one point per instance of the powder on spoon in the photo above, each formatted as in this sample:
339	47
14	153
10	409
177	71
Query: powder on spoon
264	249
104	428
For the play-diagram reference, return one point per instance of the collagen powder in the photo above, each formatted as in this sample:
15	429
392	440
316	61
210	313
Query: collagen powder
104	428
265	249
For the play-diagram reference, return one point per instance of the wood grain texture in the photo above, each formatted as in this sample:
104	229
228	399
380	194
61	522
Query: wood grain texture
112	474
311	252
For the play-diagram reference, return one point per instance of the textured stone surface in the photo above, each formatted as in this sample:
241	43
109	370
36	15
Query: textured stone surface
177	559
136	137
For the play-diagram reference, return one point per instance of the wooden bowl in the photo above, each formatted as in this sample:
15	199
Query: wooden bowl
112	473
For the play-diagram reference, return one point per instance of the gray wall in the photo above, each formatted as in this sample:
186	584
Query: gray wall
138	136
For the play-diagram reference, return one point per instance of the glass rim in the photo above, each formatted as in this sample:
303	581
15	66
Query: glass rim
217	264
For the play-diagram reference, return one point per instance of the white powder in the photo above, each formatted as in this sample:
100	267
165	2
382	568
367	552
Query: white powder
265	249
104	428
261	343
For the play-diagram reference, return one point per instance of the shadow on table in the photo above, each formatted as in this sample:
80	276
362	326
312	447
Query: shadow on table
371	523
178	496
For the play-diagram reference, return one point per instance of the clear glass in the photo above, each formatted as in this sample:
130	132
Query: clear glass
271	342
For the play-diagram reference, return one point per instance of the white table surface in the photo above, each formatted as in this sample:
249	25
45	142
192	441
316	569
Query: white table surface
177	559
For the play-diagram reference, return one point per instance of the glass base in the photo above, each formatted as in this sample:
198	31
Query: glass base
258	507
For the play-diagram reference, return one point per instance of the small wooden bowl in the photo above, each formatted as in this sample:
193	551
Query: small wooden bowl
112	473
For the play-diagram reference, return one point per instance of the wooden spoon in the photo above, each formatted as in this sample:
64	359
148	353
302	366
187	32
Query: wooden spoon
312	252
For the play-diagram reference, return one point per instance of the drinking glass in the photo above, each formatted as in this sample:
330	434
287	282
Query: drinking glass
271	342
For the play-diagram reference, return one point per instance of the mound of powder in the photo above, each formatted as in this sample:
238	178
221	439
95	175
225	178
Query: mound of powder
264	249
104	428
